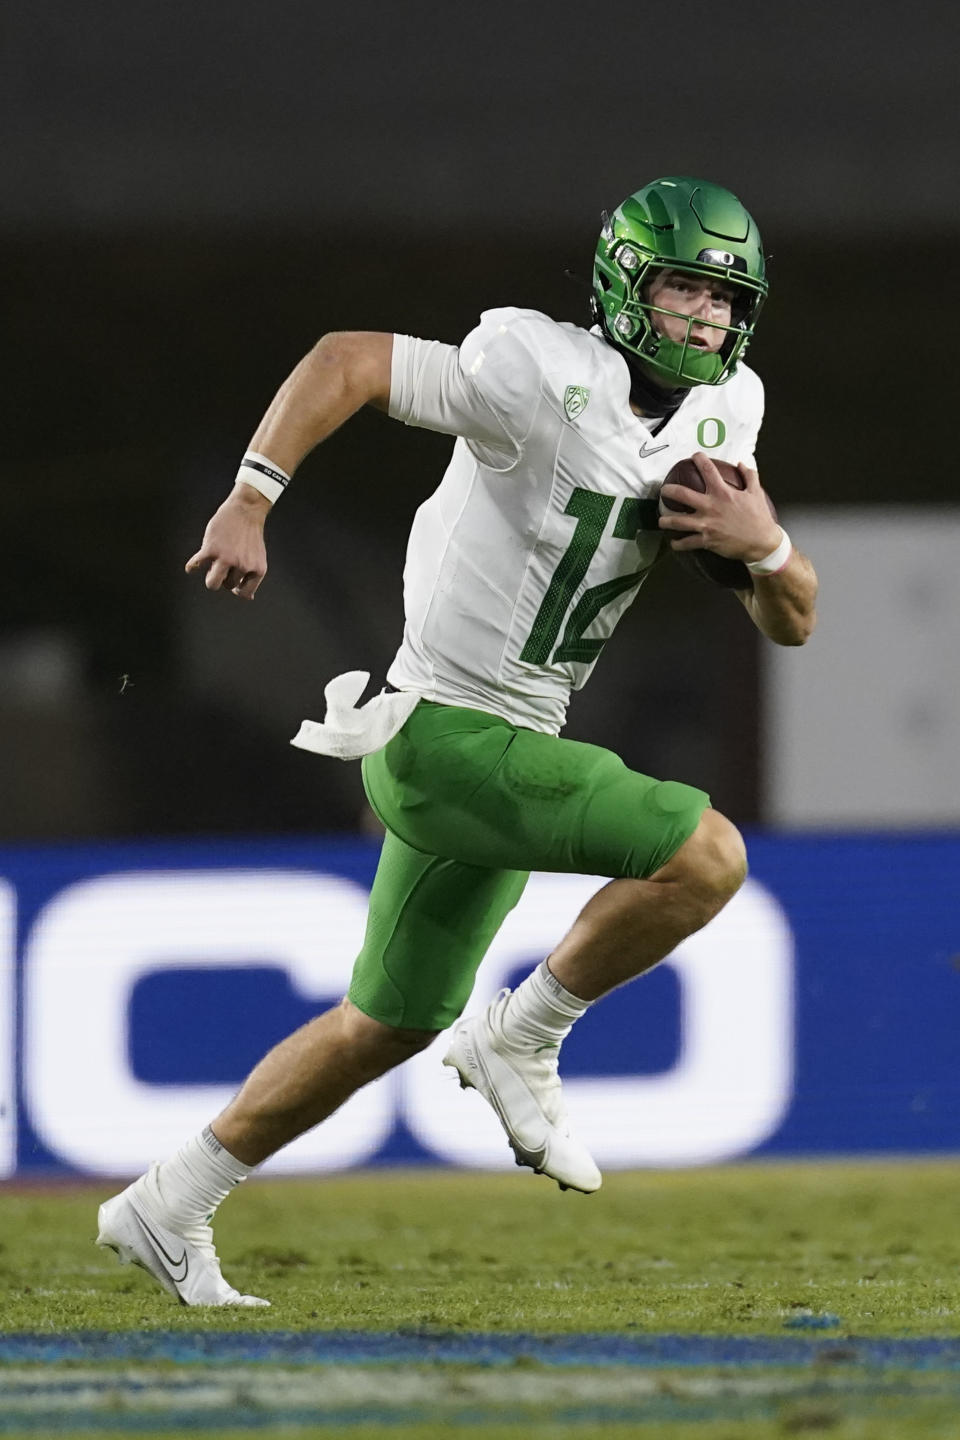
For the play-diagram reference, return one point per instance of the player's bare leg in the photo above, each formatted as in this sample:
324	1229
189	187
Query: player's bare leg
509	1053
629	925
162	1221
308	1076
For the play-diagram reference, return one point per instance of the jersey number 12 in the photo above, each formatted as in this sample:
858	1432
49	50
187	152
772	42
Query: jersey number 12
592	511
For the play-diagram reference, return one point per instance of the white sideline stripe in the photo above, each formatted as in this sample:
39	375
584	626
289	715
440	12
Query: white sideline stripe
27	1390
8	1088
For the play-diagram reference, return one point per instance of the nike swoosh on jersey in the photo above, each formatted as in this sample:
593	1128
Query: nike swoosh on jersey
647	450
177	1268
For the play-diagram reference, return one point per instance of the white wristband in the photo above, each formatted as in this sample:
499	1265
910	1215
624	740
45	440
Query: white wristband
776	561
263	475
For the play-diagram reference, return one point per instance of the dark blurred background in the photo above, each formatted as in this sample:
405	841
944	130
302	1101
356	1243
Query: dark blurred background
192	194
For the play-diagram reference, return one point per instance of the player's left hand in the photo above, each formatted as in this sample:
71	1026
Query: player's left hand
730	522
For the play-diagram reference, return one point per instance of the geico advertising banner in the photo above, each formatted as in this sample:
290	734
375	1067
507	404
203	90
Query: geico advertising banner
139	983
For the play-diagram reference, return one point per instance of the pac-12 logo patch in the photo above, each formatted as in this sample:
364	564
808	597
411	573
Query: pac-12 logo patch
575	399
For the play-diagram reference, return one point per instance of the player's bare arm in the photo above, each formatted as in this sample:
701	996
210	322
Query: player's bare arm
783	606
738	524
343	372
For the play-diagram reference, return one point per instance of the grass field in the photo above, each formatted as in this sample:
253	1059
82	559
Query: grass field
817	1253
729	1251
919	1423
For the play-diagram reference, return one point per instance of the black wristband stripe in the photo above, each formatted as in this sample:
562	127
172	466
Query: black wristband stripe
267	470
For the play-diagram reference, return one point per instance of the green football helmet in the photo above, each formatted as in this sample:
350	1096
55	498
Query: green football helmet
685	225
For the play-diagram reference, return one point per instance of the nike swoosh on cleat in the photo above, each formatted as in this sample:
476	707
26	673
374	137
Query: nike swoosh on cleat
173	1265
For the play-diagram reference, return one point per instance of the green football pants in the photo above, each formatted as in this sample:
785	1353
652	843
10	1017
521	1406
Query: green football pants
472	804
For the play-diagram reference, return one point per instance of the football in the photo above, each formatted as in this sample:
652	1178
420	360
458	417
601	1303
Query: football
732	574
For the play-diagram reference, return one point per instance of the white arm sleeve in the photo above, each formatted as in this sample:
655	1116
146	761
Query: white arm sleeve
485	391
428	388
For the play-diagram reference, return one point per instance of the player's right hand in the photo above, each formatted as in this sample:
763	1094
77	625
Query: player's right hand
233	552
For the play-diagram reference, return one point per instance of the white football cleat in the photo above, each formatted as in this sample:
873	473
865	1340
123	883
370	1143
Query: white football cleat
183	1261
524	1089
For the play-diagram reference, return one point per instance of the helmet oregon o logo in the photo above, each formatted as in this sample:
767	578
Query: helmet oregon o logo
575	399
713	428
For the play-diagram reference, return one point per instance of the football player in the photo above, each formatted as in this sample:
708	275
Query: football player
539	535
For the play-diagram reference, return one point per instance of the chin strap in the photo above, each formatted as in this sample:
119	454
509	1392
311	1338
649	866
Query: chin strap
698	367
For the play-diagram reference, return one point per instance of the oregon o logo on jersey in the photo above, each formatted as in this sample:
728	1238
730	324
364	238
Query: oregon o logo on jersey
717	432
575	399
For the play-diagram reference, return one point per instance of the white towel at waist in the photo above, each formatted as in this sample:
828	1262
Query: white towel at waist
347	732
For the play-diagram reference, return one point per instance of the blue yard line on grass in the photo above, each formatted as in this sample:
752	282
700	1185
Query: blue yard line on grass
195	1422
371	1347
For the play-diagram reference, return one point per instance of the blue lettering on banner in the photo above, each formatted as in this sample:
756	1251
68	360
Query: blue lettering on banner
818	1013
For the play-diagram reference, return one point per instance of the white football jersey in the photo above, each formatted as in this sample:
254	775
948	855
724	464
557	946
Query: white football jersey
542	530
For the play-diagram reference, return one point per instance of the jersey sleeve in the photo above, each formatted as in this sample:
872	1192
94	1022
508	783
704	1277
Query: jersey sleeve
486	390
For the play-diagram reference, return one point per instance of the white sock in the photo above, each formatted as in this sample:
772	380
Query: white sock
540	1011
191	1184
